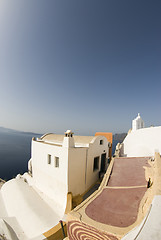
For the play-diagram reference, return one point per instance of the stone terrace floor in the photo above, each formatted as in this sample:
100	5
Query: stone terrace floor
118	203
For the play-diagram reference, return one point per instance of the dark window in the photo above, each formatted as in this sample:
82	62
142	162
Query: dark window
56	161
49	159
101	142
96	163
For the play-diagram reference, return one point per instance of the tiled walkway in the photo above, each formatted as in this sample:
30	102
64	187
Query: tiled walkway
118	203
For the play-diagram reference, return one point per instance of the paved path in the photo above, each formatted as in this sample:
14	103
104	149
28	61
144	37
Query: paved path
128	172
118	203
116	207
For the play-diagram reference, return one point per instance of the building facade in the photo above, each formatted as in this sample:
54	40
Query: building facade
62	164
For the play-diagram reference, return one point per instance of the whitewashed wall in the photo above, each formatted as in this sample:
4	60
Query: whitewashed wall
95	150
143	142
47	178
76	170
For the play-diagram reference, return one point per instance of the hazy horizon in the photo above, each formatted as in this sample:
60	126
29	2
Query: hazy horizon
4	129
83	65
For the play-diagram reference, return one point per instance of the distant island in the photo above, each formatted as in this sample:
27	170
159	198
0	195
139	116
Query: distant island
9	130
119	137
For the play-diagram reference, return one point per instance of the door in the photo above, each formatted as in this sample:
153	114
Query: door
103	162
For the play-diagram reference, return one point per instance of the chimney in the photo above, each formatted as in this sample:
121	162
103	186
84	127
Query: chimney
68	139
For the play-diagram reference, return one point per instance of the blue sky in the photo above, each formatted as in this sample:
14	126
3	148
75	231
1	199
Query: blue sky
82	65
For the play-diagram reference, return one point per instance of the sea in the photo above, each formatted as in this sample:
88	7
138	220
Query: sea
15	152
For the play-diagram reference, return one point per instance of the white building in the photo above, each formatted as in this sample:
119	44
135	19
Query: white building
141	142
60	164
137	123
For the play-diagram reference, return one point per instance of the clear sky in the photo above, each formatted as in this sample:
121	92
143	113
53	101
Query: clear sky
82	65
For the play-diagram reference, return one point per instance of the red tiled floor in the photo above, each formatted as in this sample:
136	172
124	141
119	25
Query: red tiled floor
128	172
116	207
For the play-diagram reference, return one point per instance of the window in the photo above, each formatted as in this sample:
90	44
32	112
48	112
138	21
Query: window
96	163
49	159
56	161
101	142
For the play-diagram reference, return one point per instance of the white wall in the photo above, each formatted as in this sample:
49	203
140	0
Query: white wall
95	150
143	142
76	170
47	178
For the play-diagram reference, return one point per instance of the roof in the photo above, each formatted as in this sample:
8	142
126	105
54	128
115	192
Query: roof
108	135
51	137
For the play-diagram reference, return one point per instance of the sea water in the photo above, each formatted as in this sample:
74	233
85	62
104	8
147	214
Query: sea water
15	152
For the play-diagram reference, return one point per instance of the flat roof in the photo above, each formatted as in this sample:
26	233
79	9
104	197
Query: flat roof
51	137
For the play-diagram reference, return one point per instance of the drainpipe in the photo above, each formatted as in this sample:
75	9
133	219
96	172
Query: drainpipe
61	223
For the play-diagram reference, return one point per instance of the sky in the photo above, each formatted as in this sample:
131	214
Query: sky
83	65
